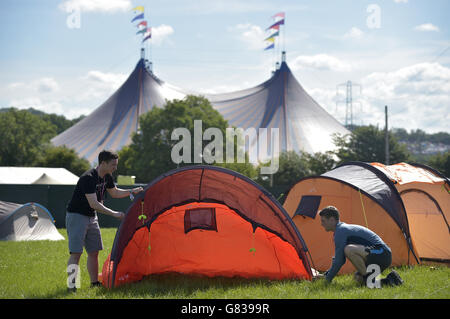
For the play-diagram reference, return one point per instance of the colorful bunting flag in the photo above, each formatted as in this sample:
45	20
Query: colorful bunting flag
270	47
278	23
139	8
279	14
138	17
270	40
147	35
144	23
273	35
143	31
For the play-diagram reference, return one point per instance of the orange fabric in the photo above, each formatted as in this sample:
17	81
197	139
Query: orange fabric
423	194
225	252
348	201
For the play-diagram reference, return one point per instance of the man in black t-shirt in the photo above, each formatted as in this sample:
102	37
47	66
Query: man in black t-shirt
81	219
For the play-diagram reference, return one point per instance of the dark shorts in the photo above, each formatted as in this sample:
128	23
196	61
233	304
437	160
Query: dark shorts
379	255
83	231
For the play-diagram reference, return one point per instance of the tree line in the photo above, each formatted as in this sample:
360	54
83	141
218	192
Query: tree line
25	141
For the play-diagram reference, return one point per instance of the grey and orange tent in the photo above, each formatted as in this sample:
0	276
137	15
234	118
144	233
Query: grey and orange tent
209	221
425	194
365	196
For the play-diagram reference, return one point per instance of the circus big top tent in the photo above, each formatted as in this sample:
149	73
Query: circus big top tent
280	102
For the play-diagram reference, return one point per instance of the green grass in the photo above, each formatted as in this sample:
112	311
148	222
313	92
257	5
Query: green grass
38	270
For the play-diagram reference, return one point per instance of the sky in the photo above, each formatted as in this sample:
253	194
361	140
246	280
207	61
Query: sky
68	56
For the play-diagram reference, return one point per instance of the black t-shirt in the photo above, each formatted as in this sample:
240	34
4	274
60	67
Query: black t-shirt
89	183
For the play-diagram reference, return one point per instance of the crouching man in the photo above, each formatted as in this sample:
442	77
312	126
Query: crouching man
360	245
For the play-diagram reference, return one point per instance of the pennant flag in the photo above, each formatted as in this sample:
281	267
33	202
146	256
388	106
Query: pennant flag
144	23
272	35
139	16
279	14
147	35
270	47
276	24
139	8
143	31
270	40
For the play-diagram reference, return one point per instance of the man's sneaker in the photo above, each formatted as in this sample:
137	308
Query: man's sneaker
96	284
394	278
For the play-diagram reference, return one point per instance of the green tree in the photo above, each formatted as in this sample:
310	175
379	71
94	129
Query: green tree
64	157
291	168
21	136
441	162
149	154
367	144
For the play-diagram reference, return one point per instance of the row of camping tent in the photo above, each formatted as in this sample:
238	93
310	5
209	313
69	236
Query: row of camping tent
212	221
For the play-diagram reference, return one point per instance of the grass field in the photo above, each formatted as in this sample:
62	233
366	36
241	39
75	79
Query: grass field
38	270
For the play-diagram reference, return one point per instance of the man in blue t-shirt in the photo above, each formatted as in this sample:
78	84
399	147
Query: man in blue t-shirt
360	245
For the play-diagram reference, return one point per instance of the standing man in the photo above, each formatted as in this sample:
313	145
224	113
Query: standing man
360	245
81	218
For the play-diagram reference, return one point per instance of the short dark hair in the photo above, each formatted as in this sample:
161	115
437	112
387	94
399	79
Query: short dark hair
106	156
330	211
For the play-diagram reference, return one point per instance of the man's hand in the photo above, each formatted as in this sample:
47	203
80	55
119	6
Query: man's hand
137	190
120	215
317	275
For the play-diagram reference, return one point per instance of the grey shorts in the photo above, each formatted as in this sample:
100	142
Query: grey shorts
83	231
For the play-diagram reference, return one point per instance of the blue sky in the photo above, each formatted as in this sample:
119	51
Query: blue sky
403	60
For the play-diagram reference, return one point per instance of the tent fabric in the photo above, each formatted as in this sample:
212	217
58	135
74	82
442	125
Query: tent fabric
29	175
364	196
368	179
425	194
280	102
47	180
23	222
251	236
111	125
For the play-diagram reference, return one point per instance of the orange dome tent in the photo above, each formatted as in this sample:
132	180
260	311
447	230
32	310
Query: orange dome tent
425	194
365	196
210	221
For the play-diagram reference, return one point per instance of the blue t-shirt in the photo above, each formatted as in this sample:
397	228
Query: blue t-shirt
346	234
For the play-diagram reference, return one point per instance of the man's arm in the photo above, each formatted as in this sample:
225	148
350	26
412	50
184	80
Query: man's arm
121	193
99	207
339	257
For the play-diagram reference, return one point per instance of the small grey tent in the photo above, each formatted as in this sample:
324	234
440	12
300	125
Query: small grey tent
29	221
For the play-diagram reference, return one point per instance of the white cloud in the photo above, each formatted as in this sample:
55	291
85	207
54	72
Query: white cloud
96	5
354	33
251	35
320	62
426	27
401	1
100	84
417	96
161	33
47	85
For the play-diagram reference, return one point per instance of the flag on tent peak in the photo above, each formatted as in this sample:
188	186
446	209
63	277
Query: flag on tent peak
270	47
139	8
143	23
279	14
147	35
138	17
276	24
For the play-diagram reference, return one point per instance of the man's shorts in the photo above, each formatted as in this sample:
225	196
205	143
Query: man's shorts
379	255
83	231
